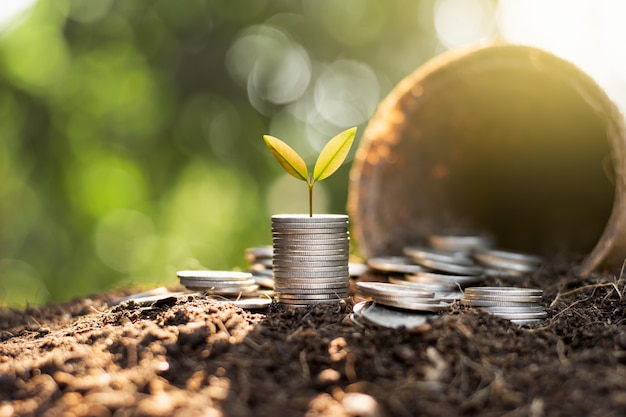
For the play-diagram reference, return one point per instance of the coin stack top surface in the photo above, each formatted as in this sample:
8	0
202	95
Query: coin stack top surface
310	259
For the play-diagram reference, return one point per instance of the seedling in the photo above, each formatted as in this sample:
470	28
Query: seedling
328	161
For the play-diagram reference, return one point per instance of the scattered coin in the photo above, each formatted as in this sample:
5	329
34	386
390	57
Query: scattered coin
376	314
461	241
374	289
356	269
150	293
429	277
394	264
508	261
417	253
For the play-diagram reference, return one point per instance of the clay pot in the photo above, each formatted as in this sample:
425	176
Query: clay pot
507	139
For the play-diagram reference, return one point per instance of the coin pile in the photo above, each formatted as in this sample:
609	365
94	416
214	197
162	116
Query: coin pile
259	260
310	260
520	305
453	261
218	282
239	288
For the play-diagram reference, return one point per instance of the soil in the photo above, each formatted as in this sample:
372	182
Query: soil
198	357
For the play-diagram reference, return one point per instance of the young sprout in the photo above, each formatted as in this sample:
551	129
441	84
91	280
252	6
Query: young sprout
329	160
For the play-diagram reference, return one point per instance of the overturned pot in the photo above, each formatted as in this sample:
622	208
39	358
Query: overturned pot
507	139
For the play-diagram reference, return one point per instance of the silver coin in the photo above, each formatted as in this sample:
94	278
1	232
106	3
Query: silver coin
460	241
206	275
313	283
487	255
356	269
388	289
258	252
318	274
434	277
312	257
261	264
416	305
300	292
307	251
226	290
306	226
314	239
309	231
493	303
503	291
503	273
263	281
379	315
153	292
417	253
306	303
260	272
522	316
358	307
505	298
385	299
508	267
253	303
313	280
449	296
149	299
317	218
423	285
533	308
330	266
310	266
318	296
217	284
450	268
397	264
296	241
313	249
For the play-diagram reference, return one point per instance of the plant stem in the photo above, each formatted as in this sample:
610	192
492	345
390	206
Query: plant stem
310	199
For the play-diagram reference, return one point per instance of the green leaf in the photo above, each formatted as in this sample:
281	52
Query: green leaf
333	154
287	158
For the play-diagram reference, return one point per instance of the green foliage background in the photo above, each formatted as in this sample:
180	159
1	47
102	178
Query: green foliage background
131	136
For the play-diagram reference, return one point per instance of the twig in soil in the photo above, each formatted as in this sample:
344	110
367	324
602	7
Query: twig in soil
222	327
583	288
569	307
306	371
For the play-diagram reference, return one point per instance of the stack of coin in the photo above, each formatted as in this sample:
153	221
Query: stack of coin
310	261
402	297
226	283
259	260
235	287
508	263
520	305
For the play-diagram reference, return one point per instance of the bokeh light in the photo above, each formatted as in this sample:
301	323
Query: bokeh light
589	34
464	22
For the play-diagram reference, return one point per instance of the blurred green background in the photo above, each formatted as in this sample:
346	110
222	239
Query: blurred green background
131	131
